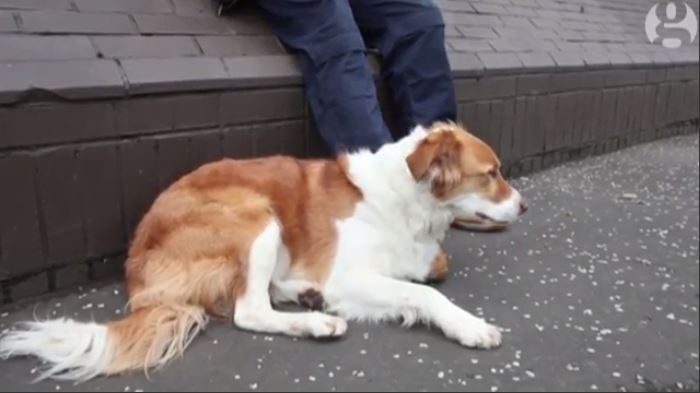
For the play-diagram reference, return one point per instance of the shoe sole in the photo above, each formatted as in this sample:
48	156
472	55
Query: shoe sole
479	226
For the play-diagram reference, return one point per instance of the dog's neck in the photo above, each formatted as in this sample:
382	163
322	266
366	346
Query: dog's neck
397	199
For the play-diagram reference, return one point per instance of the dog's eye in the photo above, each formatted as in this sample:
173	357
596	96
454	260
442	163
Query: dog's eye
493	173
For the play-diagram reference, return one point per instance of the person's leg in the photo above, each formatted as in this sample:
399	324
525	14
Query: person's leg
337	76
410	37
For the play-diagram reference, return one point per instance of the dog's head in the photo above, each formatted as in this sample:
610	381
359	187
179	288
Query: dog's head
464	173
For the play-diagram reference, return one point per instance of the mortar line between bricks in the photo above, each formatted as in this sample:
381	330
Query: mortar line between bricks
52	98
40	215
571	91
58	266
38	149
122	198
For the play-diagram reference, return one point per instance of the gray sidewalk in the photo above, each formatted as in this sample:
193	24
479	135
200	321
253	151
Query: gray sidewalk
597	289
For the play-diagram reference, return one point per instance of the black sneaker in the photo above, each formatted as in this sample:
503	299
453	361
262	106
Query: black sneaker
477	225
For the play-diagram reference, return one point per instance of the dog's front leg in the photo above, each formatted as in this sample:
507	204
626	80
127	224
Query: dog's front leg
369	296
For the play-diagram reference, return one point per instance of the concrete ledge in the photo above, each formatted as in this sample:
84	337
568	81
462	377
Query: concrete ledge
80	51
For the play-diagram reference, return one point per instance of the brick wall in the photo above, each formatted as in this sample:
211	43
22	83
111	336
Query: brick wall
78	176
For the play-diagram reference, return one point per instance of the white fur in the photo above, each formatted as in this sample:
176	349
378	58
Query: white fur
73	350
254	311
393	236
398	220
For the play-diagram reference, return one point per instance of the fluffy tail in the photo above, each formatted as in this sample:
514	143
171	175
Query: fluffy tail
148	337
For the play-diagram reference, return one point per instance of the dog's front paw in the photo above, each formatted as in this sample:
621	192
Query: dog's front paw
326	326
476	334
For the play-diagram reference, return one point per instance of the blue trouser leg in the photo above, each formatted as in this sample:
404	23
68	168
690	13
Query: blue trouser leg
338	80
410	36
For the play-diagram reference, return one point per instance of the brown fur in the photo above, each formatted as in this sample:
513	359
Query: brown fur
458	162
439	269
190	251
152	336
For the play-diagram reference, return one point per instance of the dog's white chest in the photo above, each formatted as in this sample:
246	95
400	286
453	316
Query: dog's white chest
385	243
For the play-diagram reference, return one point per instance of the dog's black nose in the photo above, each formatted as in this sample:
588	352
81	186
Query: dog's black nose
523	207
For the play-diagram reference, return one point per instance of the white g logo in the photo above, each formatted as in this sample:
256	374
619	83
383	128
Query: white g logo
689	24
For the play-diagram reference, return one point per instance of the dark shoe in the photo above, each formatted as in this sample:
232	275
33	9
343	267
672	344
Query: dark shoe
477	225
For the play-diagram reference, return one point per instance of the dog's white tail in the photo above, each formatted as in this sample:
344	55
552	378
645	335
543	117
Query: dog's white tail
74	350
148	337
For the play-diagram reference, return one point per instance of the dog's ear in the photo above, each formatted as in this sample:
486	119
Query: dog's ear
421	159
437	157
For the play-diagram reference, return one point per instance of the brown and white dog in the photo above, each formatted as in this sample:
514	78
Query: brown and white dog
242	235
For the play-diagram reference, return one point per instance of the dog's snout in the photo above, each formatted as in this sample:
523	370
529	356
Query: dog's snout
523	207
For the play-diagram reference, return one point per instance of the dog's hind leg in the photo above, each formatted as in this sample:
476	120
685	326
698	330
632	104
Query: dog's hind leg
301	292
254	311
